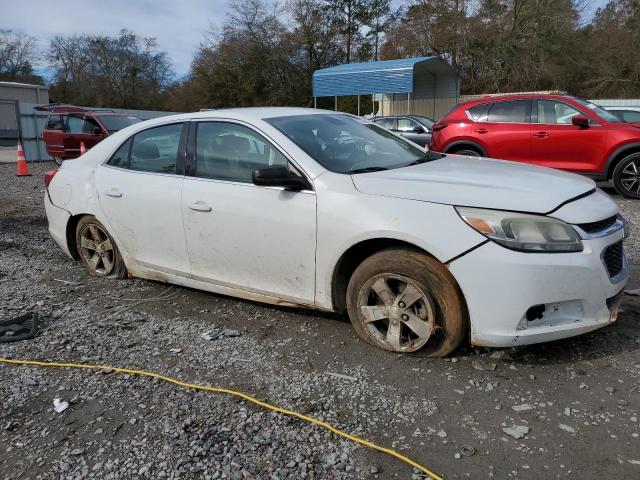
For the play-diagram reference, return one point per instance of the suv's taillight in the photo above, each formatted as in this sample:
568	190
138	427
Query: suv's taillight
439	126
48	176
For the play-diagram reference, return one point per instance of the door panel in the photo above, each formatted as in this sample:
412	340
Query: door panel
239	234
557	143
140	195
505	130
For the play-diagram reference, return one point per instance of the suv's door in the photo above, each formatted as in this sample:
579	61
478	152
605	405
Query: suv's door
414	131
240	235
504	129
89	136
72	135
52	135
139	190
557	143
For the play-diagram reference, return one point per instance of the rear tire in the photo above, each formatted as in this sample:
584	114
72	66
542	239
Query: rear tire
626	176
58	160
404	301
97	250
469	152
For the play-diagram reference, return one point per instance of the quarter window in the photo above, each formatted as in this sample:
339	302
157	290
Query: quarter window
558	113
227	151
479	112
121	157
153	150
508	112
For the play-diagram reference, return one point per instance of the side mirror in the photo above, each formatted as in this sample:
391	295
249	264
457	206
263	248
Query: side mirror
97	131
279	176
418	129
580	121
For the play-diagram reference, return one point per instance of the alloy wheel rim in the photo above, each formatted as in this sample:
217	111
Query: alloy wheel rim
97	249
630	177
397	313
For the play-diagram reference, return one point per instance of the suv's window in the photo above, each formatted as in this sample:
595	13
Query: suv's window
156	149
508	112
558	113
121	157
479	112
388	123
228	151
74	124
55	122
89	125
406	124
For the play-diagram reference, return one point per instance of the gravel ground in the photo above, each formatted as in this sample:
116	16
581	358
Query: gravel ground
574	403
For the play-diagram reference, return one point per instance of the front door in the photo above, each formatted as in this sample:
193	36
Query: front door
240	235
139	190
557	143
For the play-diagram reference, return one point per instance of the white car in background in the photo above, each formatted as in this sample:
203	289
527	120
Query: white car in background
628	114
325	210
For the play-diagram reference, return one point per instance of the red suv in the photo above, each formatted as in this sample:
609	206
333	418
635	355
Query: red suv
557	131
69	125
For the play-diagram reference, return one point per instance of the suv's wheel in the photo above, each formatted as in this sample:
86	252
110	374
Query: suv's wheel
626	176
468	152
58	160
403	301
98	252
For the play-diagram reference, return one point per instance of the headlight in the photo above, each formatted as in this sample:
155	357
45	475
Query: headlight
519	231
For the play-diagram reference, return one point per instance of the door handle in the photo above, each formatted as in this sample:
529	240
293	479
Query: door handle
113	192
200	206
481	130
541	134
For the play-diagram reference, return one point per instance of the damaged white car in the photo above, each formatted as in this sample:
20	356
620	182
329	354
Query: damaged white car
326	210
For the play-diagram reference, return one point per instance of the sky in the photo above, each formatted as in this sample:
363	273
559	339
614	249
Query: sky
178	25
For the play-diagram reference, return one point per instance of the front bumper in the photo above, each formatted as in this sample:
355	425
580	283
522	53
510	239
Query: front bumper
501	285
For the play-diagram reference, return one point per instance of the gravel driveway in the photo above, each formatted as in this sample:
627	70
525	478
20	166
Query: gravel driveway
574	403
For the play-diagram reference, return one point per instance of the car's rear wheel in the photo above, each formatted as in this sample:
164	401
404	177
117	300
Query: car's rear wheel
58	160
98	251
626	176
404	301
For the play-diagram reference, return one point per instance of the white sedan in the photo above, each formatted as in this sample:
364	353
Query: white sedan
326	210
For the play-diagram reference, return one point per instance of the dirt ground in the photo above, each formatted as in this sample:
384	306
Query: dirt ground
579	398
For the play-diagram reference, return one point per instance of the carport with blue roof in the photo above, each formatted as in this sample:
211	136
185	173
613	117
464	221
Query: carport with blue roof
416	85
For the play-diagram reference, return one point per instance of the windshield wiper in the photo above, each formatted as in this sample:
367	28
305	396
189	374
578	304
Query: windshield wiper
366	170
429	156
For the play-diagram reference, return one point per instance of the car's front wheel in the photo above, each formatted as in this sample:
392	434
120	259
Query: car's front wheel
98	251
404	301
626	176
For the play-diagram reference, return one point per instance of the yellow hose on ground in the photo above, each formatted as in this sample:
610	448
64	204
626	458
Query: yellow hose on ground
235	393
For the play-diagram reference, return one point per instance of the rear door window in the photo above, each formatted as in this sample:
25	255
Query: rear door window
555	113
156	149
388	123
509	112
407	125
74	124
121	157
55	122
479	112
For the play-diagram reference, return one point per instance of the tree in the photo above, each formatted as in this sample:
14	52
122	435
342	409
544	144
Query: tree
350	15
379	17
18	52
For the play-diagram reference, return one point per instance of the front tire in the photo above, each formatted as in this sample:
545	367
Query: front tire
404	301
626	176
98	251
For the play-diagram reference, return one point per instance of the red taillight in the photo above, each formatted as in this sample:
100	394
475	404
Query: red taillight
439	126
48	176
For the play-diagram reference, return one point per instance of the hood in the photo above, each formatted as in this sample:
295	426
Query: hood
477	182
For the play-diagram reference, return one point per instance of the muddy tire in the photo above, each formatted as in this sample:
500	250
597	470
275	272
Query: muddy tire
98	251
626	176
405	301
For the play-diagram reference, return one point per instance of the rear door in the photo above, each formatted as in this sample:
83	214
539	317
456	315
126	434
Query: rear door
407	128
140	190
53	135
504	129
557	143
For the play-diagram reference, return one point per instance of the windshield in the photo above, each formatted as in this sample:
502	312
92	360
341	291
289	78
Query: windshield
342	143
113	123
601	112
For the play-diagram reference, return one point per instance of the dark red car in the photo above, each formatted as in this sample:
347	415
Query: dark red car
69	125
557	131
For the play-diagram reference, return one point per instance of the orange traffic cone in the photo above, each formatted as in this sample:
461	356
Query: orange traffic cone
22	170
83	149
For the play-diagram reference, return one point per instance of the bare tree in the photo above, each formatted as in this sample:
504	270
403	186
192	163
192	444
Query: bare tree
18	52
